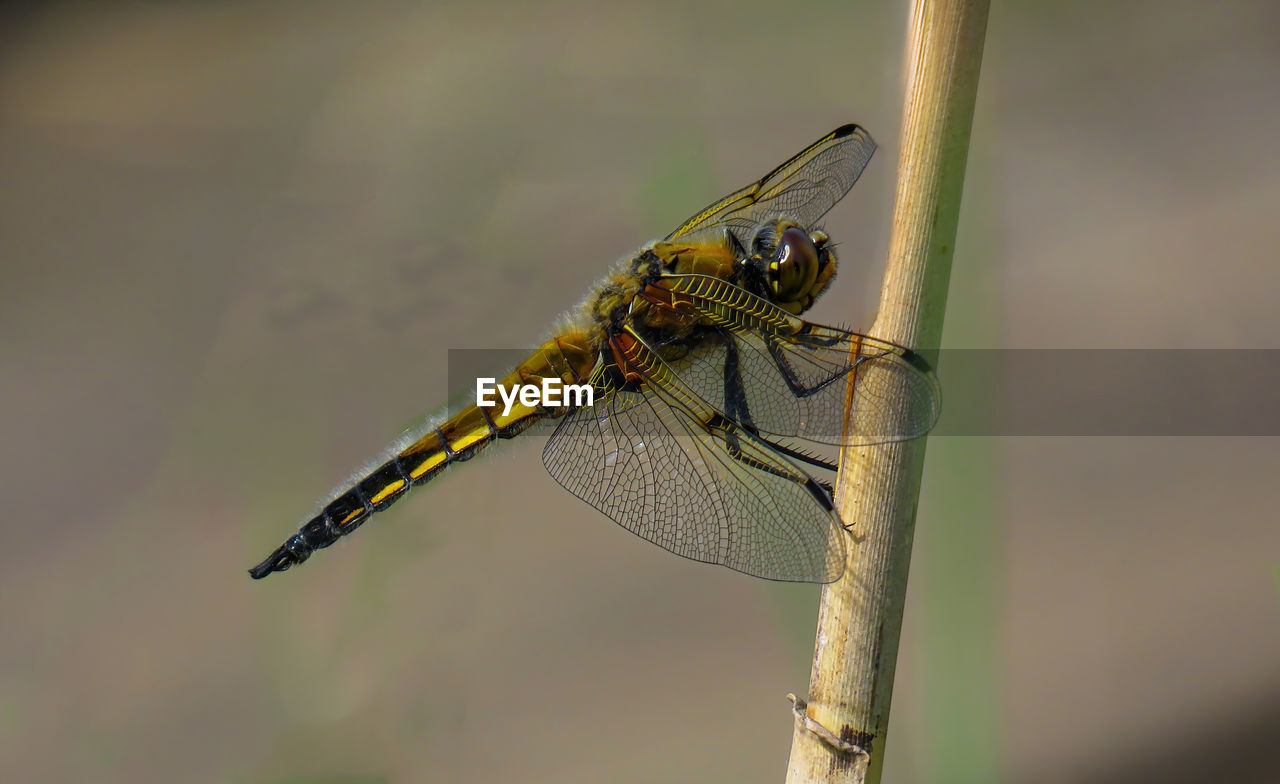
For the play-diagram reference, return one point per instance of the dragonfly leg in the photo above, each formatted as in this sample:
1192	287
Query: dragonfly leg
735	396
733	438
735	428
735	405
793	381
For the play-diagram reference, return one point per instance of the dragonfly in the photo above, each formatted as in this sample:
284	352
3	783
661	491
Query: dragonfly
709	390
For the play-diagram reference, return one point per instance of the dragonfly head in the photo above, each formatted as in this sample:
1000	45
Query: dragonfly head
791	266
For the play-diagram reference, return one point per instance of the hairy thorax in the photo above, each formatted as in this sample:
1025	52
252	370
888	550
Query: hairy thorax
615	299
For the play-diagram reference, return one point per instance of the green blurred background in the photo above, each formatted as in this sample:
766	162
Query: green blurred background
238	239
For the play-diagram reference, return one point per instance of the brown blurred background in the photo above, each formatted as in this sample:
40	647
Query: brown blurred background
238	239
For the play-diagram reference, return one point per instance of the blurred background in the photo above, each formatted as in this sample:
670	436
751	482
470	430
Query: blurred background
237	241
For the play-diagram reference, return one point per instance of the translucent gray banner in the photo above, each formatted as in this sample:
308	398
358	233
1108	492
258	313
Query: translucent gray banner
1058	392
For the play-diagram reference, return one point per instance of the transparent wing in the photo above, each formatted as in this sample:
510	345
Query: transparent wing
804	188
704	492
791	387
784	376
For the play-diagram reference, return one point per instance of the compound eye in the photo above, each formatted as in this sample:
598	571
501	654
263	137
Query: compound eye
794	267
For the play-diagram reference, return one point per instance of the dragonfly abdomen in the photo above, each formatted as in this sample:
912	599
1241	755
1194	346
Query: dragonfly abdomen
569	357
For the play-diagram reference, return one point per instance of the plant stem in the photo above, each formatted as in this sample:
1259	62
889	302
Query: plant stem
860	617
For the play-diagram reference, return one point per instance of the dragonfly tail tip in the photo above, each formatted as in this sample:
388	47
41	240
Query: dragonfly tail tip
278	561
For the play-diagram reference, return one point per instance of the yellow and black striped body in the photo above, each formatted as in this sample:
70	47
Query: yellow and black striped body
633	293
569	357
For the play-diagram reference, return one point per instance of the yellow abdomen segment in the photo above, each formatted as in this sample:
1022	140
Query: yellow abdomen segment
569	357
